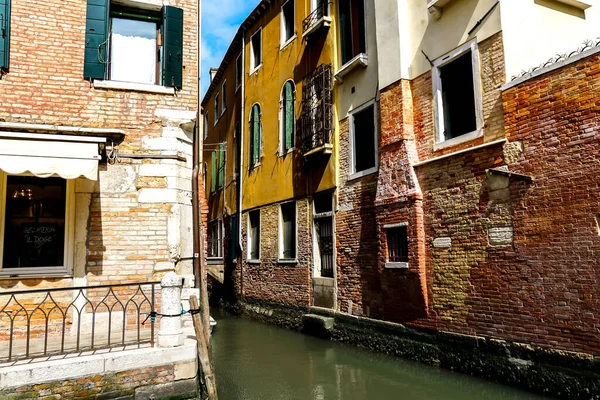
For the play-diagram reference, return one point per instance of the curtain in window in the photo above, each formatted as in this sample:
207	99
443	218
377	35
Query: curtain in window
133	51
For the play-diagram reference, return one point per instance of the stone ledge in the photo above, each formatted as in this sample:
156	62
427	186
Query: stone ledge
62	368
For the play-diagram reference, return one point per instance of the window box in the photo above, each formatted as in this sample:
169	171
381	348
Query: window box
361	60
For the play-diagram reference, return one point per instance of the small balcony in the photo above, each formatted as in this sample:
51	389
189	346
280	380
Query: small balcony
317	21
317	112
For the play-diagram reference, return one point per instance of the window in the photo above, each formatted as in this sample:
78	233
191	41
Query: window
224	97
287	22
324	260
216	110
363	125
254	235
221	173
134	45
215	239
5	34
35	230
205	127
352	29
320	5
287	232
239	68
255	136
218	168
256	51
457	90
397	246
287	117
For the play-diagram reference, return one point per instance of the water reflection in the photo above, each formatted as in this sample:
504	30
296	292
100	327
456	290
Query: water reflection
259	362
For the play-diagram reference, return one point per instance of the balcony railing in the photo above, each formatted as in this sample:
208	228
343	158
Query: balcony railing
48	322
317	111
317	19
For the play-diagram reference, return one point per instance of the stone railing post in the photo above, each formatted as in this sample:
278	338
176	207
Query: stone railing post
170	333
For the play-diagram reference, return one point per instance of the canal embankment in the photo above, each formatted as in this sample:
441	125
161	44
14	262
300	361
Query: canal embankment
555	373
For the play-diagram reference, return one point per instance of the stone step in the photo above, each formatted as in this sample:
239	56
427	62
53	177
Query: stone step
318	325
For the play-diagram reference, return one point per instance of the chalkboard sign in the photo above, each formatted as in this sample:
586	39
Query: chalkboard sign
42	242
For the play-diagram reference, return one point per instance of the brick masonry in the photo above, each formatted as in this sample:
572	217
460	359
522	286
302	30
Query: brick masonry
272	281
491	256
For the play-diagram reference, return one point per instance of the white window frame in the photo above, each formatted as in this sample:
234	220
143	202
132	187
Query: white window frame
283	40
253	67
67	268
282	260
250	239
239	73
360	59
223	97
353	173
216	110
220	233
438	102
283	152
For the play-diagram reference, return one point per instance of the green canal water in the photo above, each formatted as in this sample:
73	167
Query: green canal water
254	361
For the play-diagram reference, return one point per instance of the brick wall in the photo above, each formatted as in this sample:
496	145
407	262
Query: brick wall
270	281
122	221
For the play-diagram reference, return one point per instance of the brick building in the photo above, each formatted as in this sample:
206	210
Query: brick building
98	101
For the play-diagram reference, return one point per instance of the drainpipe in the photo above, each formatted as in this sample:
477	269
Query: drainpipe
241	158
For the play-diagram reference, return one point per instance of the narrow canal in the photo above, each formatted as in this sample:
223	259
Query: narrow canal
254	361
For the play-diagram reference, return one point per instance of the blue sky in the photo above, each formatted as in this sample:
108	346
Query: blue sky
220	21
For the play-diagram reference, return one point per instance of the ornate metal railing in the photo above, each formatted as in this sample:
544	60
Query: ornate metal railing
317	108
48	322
322	10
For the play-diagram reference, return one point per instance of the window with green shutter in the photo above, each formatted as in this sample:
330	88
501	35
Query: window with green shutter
222	151
255	135
4	34
213	172
145	46
288	120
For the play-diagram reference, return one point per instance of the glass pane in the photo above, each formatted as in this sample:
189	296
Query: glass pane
34	231
133	51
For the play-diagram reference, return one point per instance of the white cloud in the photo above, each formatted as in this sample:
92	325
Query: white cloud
220	21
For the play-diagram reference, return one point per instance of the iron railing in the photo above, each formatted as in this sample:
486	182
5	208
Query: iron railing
48	322
317	108
322	10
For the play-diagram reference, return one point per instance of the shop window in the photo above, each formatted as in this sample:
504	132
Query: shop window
287	232
364	140
352	29
457	90
254	235
34	225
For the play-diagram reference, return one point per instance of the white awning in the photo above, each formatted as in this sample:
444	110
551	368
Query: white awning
50	155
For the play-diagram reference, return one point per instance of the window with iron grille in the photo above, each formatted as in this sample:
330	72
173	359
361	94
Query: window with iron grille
397	243
317	108
215	239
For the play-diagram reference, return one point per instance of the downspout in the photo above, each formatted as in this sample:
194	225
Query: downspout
241	158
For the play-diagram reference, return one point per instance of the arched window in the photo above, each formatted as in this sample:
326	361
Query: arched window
255	136
288	117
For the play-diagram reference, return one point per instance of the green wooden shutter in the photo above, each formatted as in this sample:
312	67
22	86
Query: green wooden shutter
221	165
172	30
289	116
96	39
213	172
4	34
255	135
